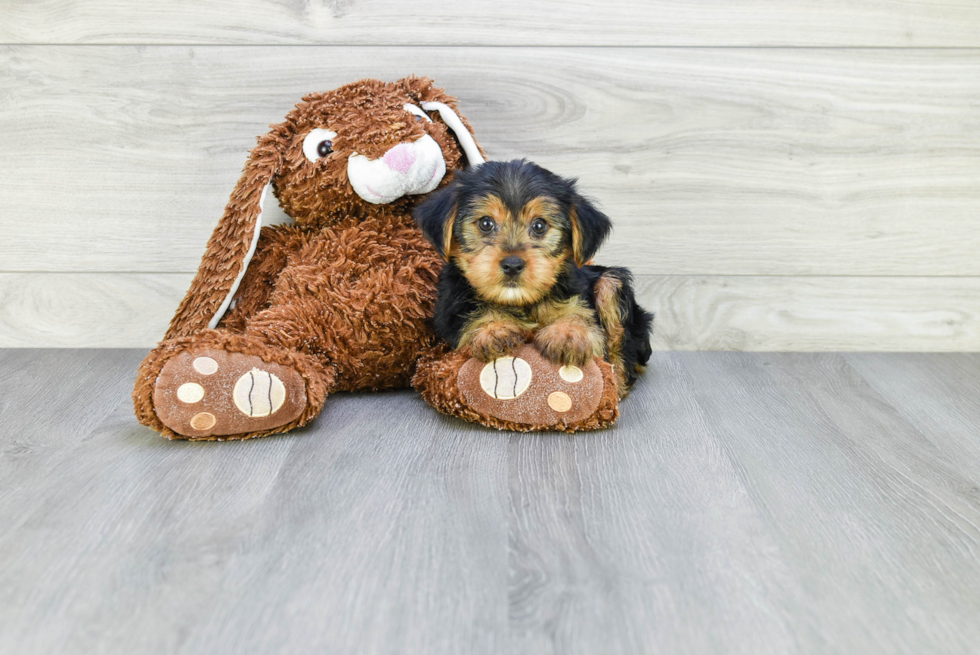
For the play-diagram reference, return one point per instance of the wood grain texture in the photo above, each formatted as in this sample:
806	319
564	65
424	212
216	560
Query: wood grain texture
43	415
813	313
508	22
381	536
808	442
745	503
87	310
710	161
120	310
919	386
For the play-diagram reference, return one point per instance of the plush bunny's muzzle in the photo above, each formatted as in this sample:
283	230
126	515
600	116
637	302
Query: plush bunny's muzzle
407	169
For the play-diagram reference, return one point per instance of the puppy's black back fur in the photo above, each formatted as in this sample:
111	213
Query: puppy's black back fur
455	302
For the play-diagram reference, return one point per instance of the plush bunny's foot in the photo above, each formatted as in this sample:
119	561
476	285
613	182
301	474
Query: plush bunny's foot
525	392
209	392
526	388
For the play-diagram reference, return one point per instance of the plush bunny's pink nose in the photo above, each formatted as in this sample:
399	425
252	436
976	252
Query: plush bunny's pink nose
400	158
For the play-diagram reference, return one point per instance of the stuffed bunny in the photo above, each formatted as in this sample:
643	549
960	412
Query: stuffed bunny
280	316
341	298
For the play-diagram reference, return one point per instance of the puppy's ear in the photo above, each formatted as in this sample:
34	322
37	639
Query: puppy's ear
436	216
590	227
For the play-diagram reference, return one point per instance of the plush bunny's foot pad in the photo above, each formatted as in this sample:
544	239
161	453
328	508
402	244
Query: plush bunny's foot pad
525	392
211	392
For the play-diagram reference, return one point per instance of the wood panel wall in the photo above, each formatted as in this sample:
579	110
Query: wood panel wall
783	176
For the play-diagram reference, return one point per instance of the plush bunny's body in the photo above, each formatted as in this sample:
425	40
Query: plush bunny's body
280	316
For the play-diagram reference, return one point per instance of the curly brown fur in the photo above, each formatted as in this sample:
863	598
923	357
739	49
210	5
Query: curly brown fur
516	238
369	119
344	295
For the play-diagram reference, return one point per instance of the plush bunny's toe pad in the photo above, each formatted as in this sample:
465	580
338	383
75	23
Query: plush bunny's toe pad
525	392
213	392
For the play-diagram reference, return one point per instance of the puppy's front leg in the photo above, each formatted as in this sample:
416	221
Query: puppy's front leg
495	333
570	333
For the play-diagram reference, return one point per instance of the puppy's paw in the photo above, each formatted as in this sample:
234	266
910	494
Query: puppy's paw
496	339
569	342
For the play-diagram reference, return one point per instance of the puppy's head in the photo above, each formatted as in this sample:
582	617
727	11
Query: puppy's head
511	228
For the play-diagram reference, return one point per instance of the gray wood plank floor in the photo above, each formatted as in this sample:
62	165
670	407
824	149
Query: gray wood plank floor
746	503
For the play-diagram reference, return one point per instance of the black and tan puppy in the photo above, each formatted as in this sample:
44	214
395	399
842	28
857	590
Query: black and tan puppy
517	238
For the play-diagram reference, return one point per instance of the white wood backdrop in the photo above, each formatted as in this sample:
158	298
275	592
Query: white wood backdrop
768	196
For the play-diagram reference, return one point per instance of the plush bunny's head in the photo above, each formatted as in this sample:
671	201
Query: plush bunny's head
349	152
366	149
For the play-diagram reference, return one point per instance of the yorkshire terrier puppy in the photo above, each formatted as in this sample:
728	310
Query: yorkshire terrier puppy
517	239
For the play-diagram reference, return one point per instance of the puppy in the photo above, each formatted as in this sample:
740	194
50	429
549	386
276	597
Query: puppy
516	239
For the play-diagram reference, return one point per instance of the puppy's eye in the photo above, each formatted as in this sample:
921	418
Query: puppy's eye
486	224
318	143
539	226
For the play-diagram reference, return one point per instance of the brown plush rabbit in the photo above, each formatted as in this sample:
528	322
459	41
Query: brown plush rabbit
341	299
280	316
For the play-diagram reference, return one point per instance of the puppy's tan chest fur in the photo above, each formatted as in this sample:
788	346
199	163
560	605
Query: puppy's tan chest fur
551	310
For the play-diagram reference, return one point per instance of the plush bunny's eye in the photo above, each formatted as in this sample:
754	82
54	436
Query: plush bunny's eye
419	114
318	143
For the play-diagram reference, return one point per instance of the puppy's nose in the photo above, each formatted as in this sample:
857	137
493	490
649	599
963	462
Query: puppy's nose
401	157
512	265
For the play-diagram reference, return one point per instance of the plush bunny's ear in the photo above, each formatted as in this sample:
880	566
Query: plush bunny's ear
590	227
466	140
432	98
436	216
232	244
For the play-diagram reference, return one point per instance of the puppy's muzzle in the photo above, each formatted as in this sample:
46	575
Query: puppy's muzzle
512	266
407	169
